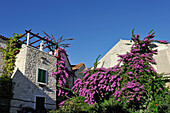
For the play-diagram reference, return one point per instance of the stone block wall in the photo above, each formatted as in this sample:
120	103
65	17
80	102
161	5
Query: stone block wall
78	72
26	87
39	59
3	44
21	59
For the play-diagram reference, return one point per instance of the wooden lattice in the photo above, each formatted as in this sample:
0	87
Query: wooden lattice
47	43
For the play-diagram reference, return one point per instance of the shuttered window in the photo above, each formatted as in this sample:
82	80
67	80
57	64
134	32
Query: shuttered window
42	75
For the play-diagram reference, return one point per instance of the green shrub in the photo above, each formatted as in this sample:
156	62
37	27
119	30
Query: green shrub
112	106
75	105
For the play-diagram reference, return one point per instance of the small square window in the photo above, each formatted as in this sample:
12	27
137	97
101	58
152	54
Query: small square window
42	76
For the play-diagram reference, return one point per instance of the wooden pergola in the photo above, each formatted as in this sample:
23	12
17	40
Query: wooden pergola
47	42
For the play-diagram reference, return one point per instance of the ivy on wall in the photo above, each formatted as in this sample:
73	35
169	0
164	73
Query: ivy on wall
9	54
6	84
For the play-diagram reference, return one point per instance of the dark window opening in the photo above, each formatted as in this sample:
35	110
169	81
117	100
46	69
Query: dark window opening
40	101
42	75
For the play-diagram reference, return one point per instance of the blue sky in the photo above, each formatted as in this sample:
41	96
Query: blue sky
95	25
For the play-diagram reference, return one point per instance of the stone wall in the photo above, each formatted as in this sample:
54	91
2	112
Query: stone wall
39	59
3	44
78	72
25	77
21	59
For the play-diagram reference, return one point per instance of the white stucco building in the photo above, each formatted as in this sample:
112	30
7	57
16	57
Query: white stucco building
162	58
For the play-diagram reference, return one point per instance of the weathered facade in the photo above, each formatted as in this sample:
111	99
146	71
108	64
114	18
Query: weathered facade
162	58
77	69
34	86
28	90
3	44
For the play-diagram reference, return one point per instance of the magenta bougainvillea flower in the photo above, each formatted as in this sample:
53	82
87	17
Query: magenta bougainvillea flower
131	81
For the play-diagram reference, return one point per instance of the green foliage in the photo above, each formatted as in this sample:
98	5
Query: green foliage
58	43
5	93
112	106
147	91
9	54
6	83
168	102
75	105
96	62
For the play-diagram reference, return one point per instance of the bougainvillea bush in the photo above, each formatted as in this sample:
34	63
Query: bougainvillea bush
65	74
62	74
133	82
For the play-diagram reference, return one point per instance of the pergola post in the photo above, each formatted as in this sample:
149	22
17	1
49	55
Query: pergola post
28	36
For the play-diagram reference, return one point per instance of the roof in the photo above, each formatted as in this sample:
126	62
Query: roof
3	37
77	66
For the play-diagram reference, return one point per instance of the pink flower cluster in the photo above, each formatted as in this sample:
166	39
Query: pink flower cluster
102	82
62	73
94	86
127	81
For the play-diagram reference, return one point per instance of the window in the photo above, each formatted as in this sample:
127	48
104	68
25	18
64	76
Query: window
40	103
42	76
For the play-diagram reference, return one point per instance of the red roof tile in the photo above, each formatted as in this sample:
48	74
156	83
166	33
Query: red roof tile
77	66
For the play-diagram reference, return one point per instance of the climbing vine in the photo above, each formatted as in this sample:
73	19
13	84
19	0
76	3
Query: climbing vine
62	74
9	54
6	83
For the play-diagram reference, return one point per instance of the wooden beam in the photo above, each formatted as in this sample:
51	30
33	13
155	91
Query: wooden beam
37	46
26	39
35	41
45	42
42	38
47	46
23	34
30	37
27	31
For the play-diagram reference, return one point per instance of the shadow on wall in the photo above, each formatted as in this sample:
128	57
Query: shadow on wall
30	94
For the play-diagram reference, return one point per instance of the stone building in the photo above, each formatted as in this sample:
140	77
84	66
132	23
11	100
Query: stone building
34	86
3	43
162	58
77	69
